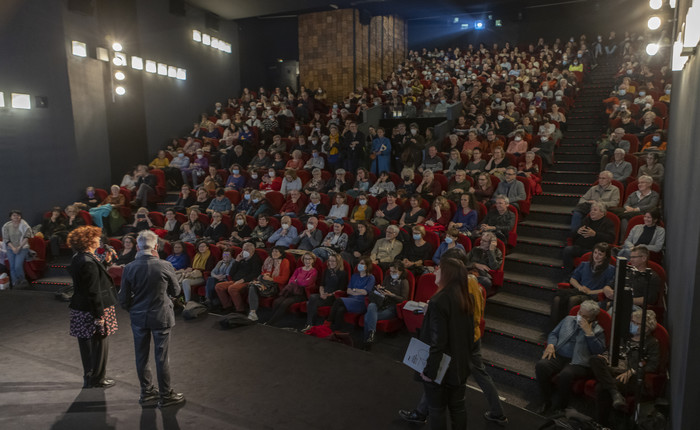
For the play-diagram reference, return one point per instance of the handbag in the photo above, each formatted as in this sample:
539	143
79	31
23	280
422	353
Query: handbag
265	288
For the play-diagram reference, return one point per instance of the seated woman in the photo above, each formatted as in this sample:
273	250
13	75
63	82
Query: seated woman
125	256
141	222
293	206
384	298
361	284
259	204
484	189
476	165
245	202
275	273
193	276
193	228
454	163
271	182
416	251
217	230
545	149
235	181
262	232
114	201
314	208
219	273
639	202
295	290
185	200
16	234
649	234
439	216
286	235
386	250
652	168
334	279
296	162
589	279
497	164
362	184
278	162
212	180
339	210
129	180
362	211
450	242
335	241
291	182
429	188
383	186
466	217
316	183
407	187
178	258
171	227
240	232
203	200
53	228
388	212
360	243
518	145
415	213
530	170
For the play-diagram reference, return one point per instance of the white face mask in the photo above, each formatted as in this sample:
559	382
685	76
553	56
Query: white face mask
240	222
245	254
414	131
285	226
200	156
310	226
271	174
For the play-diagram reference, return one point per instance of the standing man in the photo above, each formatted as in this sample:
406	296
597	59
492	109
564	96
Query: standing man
147	283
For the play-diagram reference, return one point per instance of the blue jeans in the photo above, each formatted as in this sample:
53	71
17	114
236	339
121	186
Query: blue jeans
576	220
17	264
210	289
373	315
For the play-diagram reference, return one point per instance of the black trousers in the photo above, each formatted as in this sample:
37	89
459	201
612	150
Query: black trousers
567	373
337	315
142	349
281	304
443	397
607	384
93	354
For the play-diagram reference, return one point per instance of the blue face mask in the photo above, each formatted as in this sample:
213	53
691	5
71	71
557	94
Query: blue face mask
656	139
668	92
256	200
236	171
448	240
416	237
623	92
180	155
246	196
361	267
634	329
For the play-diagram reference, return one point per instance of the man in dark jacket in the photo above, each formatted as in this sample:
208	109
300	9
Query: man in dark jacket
147	285
246	267
596	228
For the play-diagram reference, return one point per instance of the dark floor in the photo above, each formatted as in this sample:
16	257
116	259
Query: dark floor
255	377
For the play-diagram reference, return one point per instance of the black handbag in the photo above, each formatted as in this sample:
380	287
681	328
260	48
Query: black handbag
265	288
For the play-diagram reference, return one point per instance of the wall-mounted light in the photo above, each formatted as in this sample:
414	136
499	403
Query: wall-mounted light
119	75
79	49
652	48
21	101
162	69
172	71
206	39
655	4
120	90
479	25
151	66
181	74
136	62
654	23
2	99
117	47
119	59
196	35
102	54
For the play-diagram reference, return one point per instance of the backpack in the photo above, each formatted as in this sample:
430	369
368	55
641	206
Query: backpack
193	310
571	419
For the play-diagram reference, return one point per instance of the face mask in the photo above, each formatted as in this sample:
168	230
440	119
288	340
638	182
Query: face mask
427	103
656	139
240	222
91	194
558	98
363	202
518	138
236	171
394	276
409	103
623	92
565	62
271	174
578	318
416	237
285	226
532	111
256	200
347	105
180	155
310	226
335	106
500	117
360	267
245	254
297	128
498	99
334	116
642	93
200	156
448	240
376	103
668	92
630	71
545	88
414	131
580	55
634	329
544	138
246	197
575	63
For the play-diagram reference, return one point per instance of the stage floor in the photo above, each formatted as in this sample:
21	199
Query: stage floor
255	377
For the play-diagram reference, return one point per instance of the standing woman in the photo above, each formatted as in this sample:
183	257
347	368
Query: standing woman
92	315
448	328
16	234
381	152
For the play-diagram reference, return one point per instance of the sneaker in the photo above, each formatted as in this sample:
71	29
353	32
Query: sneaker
501	420
170	399
619	401
149	395
306	328
253	316
413	416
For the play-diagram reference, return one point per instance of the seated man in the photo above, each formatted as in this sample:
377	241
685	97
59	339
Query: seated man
620	169
640	283
387	249
286	235
432	161
511	187
247	266
605	192
491	142
499	220
607	146
596	227
483	258
570	347
638	202
145	186
311	237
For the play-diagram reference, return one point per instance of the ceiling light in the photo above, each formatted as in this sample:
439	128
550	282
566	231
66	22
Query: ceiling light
655	4
120	90
21	101
79	49
181	74
206	39
117	47
136	62
150	66
654	23
162	69
172	71
2	99
196	35
652	48
119	59
102	54
119	75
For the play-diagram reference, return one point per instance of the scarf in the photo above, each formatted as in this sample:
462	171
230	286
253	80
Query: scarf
200	260
272	266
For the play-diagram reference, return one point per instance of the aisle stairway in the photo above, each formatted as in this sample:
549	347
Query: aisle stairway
517	318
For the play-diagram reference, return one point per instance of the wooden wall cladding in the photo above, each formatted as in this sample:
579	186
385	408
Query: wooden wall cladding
338	53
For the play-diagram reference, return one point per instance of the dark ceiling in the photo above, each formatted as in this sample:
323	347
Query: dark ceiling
409	9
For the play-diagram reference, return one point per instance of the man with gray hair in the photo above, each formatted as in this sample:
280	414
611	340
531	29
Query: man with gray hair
147	285
603	192
607	146
620	169
596	228
511	187
570	347
499	220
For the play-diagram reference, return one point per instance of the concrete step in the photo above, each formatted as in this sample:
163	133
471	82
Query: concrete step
539	246
496	346
574	148
577	176
544	229
565	154
501	326
547	267
52	283
576	166
530	286
550	213
565	187
564	199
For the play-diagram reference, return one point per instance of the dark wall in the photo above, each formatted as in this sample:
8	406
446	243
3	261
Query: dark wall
262	42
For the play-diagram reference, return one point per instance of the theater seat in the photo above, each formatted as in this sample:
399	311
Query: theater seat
425	289
395	324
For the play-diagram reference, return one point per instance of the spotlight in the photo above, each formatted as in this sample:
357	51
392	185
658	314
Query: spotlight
119	75
206	39
655	4
21	101
196	35
162	69
120	91
479	25
654	23
102	54
181	74
652	48
136	62
151	66
119	59
2	99
79	49
117	47
456	20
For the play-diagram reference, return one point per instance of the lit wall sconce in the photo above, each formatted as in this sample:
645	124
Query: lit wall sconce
21	101
102	54
181	74
119	59
2	99
79	49
162	69
117	47
206	39
136	62
151	66
196	35
120	90
119	75
172	71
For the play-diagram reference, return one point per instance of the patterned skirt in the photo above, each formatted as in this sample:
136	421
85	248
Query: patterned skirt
82	323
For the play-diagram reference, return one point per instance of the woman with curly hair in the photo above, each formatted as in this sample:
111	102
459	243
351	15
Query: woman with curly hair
92	315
